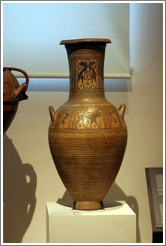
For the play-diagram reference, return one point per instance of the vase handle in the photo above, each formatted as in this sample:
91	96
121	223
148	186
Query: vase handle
122	110
20	91
52	113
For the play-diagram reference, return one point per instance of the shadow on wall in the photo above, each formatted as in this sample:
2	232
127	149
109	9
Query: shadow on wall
19	186
114	194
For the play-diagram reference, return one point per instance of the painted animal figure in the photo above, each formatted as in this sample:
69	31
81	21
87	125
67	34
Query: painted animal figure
92	117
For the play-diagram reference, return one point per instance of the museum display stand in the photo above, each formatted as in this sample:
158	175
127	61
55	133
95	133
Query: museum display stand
116	223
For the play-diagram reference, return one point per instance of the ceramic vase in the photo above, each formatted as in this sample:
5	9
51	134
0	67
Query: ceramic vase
87	134
13	93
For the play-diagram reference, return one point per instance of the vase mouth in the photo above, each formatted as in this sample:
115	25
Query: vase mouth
85	40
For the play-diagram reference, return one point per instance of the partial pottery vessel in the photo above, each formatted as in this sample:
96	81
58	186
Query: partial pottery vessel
12	94
87	135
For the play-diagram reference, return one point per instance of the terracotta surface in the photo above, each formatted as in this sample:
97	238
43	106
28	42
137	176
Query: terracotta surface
87	135
12	94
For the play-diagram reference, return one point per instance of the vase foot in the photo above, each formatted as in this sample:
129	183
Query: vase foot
87	205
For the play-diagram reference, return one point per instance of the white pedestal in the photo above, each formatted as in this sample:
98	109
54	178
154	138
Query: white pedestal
116	223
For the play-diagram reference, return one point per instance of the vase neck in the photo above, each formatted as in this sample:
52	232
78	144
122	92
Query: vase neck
86	64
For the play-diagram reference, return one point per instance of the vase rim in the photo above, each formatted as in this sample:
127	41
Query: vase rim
85	40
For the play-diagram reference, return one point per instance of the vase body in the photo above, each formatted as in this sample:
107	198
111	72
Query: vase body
87	135
12	94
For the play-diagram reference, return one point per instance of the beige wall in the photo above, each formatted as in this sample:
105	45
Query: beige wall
30	178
